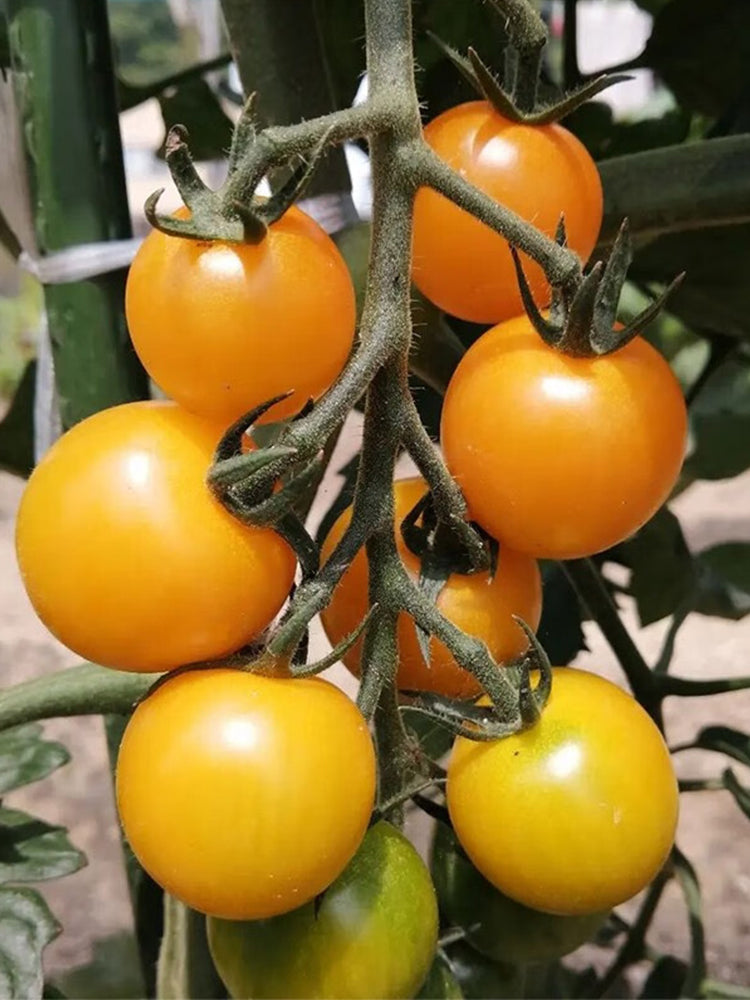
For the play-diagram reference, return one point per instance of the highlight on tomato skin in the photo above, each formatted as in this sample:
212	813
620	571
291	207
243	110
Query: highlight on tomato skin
223	327
373	933
558	456
127	557
243	795
478	604
540	172
578	812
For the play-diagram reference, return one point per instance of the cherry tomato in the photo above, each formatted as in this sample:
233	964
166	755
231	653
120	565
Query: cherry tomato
245	796
496	925
372	934
127	557
223	327
575	814
538	171
557	456
476	603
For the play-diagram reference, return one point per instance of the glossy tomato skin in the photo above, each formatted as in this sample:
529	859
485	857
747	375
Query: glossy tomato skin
223	327
497	926
575	814
127	557
242	795
538	171
475	603
374	933
557	456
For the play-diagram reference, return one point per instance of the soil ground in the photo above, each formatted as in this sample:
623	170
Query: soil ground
93	904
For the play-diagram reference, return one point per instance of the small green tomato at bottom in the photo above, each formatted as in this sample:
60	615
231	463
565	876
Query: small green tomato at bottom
373	933
495	925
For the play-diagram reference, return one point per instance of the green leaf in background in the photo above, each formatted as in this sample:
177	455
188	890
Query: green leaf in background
194	105
702	51
720	423
716	294
724	740
32	850
25	757
434	739
26	928
341	25
594	124
560	631
481	979
724	580
665	979
17	428
663	574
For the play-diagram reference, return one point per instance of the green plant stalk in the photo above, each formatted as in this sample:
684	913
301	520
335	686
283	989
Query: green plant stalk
78	189
588	583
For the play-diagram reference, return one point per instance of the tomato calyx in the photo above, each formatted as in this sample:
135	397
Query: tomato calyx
221	215
504	96
583	317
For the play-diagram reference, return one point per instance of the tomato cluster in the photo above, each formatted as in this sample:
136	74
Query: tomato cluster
248	795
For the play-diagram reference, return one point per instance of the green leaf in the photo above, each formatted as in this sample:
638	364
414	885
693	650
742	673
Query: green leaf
604	137
702	50
724	740
434	739
665	979
715	296
480	978
17	428
25	757
714	990
440	984
560	630
663	573
32	850
724	580
720	423
688	881
342	29
740	794
194	105
26	928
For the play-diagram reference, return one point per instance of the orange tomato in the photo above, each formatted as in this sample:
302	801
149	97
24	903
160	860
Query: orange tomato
223	327
575	814
557	456
538	171
127	557
245	796
476	603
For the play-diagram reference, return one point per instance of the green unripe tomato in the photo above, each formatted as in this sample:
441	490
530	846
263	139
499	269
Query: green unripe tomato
373	933
495	925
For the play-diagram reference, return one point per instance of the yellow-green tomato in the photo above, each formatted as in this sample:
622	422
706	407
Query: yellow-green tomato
373	933
496	925
575	814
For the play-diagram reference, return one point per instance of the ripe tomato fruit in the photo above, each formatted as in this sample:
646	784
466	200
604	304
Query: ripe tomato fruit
558	456
372	934
245	796
223	327
476	603
575	814
537	171
127	557
496	925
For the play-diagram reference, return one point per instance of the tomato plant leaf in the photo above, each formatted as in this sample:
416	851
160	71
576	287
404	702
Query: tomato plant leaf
194	105
720	423
663	573
32	850
740	794
701	51
691	890
665	979
724	740
17	427
25	757
26	928
342	28
479	977
433	738
724	580
560	630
